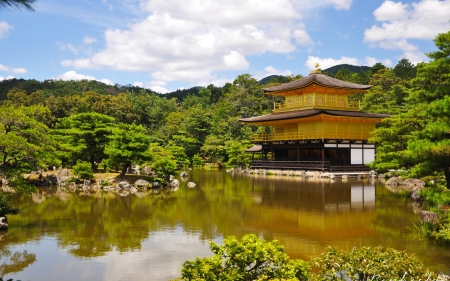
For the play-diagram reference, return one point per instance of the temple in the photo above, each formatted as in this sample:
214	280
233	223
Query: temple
315	128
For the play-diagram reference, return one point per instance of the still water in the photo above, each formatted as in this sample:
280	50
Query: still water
63	235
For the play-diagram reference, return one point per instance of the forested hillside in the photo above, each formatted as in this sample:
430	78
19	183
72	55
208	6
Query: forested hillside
58	122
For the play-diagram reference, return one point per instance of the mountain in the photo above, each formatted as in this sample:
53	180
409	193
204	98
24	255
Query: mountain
353	68
267	79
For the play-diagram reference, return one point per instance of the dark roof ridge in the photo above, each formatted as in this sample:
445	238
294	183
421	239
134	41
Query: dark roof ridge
319	79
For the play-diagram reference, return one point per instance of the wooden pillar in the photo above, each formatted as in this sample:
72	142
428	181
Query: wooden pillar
323	155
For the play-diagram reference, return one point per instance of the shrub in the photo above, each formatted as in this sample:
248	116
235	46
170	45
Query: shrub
83	170
251	258
366	263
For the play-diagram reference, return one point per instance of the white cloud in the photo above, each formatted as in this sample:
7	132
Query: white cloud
4	28
192	40
370	61
329	62
270	70
89	40
155	85
6	78
421	20
19	70
72	75
391	11
309	5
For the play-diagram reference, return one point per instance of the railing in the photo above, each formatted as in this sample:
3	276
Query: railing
316	165
331	104
309	136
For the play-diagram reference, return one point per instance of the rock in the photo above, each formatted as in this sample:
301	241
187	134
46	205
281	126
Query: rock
133	190
147	170
123	184
184	174
394	181
3	223
4	182
63	173
415	194
426	216
175	183
52	179
63	180
413	182
156	184
191	184
142	183
72	186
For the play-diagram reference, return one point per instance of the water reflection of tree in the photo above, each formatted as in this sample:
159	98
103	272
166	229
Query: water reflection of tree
13	262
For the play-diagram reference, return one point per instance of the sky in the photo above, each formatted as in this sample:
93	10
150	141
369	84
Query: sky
165	45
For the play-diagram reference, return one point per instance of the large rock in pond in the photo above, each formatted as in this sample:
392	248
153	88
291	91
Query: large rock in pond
175	183
426	216
415	194
141	183
3	223
394	181
63	173
123	184
413	182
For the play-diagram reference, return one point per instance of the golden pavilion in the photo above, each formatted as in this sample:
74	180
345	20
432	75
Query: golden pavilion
316	127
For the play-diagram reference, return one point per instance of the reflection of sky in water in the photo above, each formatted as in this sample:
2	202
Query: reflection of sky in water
160	258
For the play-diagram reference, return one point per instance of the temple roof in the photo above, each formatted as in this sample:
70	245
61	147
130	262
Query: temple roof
319	79
309	113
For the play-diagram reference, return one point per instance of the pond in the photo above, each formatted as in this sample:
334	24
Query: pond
94	235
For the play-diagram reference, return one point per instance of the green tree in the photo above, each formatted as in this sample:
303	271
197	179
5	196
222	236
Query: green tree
85	136
388	94
377	67
405	70
236	153
129	144
418	138
251	258
24	141
27	4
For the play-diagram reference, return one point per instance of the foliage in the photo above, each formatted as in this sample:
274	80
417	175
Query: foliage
27	4
366	263
5	207
164	166
24	141
236	153
251	258
83	170
405	69
129	144
197	160
439	231
85	136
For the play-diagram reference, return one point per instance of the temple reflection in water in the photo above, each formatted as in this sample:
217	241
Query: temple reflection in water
308	215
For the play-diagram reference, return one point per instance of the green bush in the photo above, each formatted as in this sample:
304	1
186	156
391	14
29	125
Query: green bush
251	258
366	263
83	170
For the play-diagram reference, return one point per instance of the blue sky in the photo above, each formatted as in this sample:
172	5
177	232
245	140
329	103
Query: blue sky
172	44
